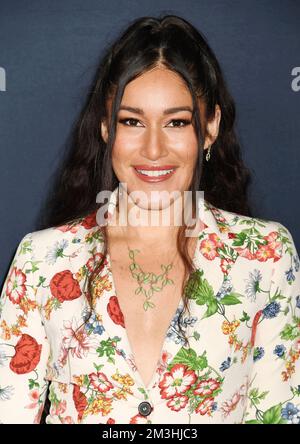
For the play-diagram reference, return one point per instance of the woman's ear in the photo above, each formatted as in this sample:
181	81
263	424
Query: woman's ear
213	127
104	131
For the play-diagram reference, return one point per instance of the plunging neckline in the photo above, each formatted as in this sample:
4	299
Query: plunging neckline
125	336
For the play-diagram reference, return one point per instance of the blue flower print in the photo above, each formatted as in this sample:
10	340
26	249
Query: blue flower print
290	275
296	262
226	364
271	310
258	353
279	350
173	333
291	413
93	325
225	289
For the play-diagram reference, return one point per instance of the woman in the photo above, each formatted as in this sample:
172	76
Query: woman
127	323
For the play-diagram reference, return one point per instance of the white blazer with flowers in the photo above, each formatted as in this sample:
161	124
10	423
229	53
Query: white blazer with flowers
242	361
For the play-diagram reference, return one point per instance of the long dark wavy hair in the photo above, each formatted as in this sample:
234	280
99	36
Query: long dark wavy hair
172	42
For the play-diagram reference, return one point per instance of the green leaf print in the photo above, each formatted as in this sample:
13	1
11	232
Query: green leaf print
26	247
212	308
196	335
33	268
189	358
98	367
231	299
32	383
290	332
273	415
201	362
199	290
240	239
245	317
256	396
107	348
253	421
41	281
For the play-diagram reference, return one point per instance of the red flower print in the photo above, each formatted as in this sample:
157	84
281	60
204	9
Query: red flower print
16	287
239	396
80	401
226	265
207	387
95	258
177	381
75	339
64	228
100	382
231	235
272	249
228	406
64	287
163	362
208	249
34	396
254	327
67	420
178	402
89	221
216	240
246	253
264	253
59	408
114	311
110	421
138	419
274	245
38	416
205	406
27	356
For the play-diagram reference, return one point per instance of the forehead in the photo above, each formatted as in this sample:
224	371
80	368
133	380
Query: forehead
158	86
156	90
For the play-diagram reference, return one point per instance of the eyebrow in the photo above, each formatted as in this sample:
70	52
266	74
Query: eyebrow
175	109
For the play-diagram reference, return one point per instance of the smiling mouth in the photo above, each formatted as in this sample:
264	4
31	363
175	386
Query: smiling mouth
155	173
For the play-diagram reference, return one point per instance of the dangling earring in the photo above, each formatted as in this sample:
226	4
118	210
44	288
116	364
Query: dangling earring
207	157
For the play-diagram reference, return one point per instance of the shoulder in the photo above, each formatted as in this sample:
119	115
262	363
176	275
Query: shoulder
81	230
253	238
232	222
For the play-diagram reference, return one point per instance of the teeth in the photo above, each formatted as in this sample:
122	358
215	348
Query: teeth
155	173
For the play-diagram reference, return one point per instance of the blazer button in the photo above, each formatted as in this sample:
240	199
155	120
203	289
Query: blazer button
145	408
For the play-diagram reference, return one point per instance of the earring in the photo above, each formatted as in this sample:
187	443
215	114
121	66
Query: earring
207	157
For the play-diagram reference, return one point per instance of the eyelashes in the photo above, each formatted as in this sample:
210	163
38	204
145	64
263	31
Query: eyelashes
184	121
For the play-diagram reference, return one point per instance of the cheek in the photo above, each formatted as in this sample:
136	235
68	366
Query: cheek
120	152
189	152
123	147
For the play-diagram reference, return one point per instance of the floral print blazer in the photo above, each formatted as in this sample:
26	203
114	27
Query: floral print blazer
242	361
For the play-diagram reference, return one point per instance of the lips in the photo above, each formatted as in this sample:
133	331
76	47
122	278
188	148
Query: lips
154	179
154	168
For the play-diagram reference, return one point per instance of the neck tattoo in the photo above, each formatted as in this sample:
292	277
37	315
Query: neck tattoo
156	282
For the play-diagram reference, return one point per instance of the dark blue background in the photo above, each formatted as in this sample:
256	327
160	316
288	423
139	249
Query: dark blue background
50	49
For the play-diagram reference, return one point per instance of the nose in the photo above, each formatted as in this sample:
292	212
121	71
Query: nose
154	144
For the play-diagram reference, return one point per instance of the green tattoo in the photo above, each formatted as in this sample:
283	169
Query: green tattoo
157	283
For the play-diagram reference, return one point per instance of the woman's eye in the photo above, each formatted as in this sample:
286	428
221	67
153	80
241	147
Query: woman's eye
123	121
184	121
